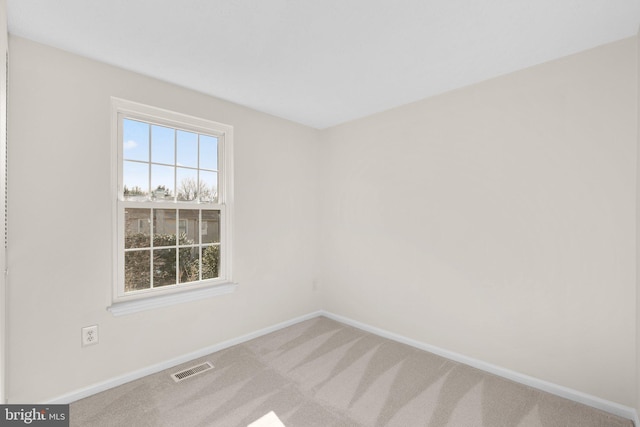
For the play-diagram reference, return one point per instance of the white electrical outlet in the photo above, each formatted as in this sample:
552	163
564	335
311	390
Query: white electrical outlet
90	335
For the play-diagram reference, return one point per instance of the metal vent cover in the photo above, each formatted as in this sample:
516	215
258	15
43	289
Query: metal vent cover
189	372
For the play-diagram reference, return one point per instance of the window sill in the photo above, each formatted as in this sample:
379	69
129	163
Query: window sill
129	307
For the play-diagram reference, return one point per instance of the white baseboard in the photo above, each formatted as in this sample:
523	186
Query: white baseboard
558	390
114	382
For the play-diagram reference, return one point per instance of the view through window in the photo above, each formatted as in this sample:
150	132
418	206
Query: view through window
171	204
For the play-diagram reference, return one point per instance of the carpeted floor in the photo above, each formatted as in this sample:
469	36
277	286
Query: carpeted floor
323	373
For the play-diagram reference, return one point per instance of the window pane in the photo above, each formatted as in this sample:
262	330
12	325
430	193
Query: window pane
210	226
162	145
208	152
137	231
210	262
164	227
137	266
189	264
208	186
188	227
187	149
169	225
162	182
187	184
135	179
164	267
135	140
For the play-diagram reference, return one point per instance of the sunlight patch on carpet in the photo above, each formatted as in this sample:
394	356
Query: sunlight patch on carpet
268	420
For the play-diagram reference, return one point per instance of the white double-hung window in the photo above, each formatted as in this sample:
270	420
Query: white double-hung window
172	208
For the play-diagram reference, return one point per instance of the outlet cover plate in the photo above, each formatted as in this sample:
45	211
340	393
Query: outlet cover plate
90	335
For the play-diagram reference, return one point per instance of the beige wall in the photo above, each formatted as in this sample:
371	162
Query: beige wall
497	221
637	406
3	145
60	238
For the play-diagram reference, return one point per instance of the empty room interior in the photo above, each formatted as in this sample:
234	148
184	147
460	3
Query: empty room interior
457	178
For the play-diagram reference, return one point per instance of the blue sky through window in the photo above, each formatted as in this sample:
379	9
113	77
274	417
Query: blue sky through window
208	152
135	136
162	145
187	149
141	140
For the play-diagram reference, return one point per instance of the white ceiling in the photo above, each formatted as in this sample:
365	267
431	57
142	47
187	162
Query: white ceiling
323	62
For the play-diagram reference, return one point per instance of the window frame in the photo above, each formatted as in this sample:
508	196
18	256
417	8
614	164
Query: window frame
125	302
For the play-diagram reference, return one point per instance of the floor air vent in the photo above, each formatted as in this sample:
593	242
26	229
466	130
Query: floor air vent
189	372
